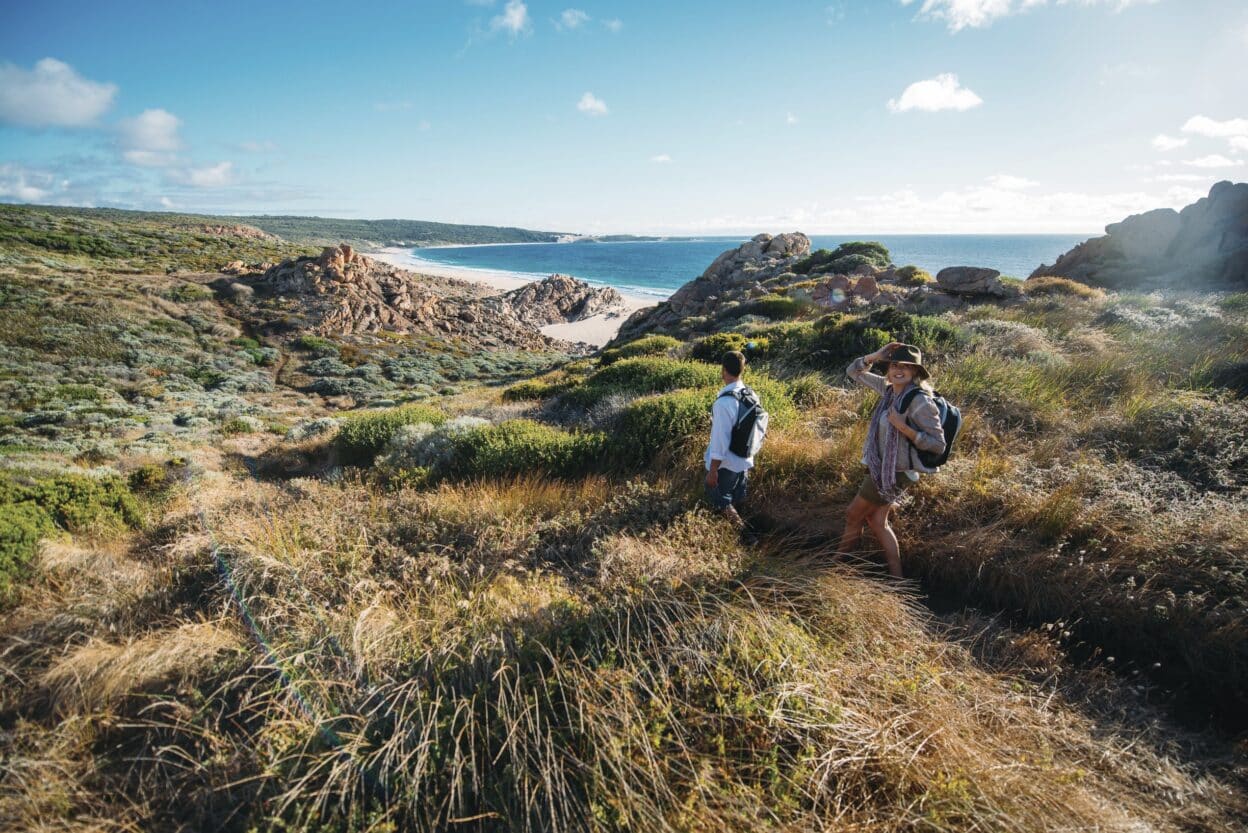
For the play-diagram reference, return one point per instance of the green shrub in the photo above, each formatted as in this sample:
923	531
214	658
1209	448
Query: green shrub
151	477
77	502
246	342
364	434
776	396
31	509
836	339
635	377
809	391
653	423
1060	287
776	307
713	347
844	259
647	346
237	425
913	276
538	389
316	345
21	527
185	293
521	446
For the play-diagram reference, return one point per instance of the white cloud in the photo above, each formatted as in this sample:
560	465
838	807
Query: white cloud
165	202
1182	177
789	118
1239	143
614	24
571	19
1213	129
940	93
1011	183
514	19
24	185
662	158
962	14
51	95
150	138
211	176
1163	142
1214	160
592	105
975	209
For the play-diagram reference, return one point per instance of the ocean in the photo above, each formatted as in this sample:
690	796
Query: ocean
659	268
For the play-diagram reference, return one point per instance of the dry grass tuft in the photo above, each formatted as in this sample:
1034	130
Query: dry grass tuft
100	675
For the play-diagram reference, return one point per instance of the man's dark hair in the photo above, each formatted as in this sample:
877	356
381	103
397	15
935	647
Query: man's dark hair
734	362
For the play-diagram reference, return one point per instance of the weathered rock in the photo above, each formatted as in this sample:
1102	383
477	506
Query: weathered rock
730	277
1204	246
239	230
929	300
558	299
973	280
341	292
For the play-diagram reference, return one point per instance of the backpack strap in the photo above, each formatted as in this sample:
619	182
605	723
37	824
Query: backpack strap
907	398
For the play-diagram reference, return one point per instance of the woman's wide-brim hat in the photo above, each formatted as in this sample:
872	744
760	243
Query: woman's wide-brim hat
908	354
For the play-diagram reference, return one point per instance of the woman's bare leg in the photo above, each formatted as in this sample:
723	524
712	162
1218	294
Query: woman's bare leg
855	517
878	521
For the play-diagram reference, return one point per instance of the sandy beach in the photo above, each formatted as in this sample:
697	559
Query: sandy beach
596	330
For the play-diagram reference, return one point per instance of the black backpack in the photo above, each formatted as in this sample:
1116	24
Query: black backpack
950	423
751	425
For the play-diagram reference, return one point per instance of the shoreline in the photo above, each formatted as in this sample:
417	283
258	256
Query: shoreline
596	330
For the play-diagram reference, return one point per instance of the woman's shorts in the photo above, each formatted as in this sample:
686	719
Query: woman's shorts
867	490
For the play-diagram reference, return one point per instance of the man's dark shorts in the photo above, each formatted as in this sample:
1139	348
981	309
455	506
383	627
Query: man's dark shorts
728	491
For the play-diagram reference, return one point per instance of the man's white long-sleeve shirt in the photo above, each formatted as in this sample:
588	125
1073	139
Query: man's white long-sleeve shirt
723	417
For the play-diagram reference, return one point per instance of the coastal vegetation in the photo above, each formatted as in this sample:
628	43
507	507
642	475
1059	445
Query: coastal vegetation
144	240
316	582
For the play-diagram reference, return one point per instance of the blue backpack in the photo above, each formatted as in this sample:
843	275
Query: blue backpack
950	423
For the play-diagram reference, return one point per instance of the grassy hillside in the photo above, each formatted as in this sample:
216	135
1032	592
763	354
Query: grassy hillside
485	608
147	240
326	231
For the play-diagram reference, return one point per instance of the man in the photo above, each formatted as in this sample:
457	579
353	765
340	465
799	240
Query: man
725	471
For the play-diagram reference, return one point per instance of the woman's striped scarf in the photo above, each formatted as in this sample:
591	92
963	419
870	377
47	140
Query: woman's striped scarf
884	471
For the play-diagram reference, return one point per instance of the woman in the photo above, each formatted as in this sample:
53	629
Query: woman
893	441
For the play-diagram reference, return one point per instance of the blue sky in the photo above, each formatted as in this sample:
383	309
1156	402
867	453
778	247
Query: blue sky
708	117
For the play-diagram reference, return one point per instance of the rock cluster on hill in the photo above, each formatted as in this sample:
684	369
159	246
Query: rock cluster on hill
733	274
1203	246
768	266
342	292
974	280
556	300
237	230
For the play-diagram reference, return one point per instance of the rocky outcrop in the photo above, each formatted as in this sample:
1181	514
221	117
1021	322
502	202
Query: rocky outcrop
764	267
1204	246
734	275
974	280
556	300
246	232
342	292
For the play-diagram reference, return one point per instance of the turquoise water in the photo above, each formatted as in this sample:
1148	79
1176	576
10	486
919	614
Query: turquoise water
659	268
